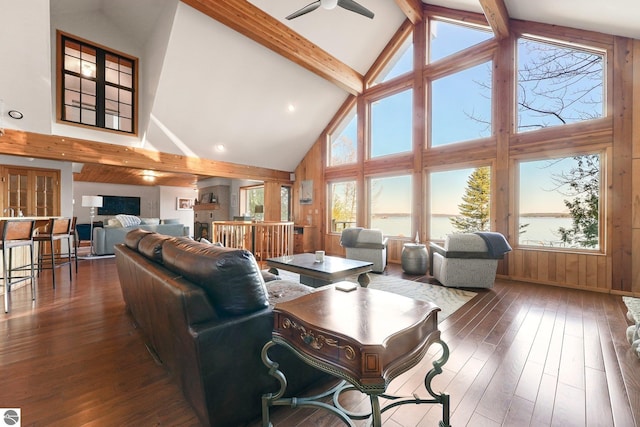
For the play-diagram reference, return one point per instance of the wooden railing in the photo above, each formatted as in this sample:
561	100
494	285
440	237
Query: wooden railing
263	239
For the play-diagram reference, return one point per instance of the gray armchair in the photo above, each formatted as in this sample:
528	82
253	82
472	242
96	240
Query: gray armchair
365	244
468	260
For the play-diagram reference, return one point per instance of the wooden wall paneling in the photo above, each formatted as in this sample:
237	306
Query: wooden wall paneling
591	271
636	265
561	267
582	271
635	188
571	267
604	278
542	271
622	164
394	250
551	266
272	201
635	133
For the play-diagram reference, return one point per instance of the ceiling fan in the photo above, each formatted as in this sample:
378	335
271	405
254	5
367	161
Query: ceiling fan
331	4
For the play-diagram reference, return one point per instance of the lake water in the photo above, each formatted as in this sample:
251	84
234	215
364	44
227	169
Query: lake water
542	231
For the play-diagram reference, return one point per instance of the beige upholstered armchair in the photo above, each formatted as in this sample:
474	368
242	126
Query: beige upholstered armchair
365	245
468	260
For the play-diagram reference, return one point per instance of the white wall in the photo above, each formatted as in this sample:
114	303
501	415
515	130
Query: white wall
155	201
168	204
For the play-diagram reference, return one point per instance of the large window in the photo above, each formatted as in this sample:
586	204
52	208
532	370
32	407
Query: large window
447	38
559	202
252	202
460	201
285	203
390	200
97	86
461	106
391	124
558	84
343	203
401	63
343	141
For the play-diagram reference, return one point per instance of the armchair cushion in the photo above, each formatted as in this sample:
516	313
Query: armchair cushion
365	244
467	260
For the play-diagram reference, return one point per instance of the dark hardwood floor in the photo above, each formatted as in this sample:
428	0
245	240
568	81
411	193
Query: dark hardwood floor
521	355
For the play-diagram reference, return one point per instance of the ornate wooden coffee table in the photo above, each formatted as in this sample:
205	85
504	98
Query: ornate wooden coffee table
364	336
316	274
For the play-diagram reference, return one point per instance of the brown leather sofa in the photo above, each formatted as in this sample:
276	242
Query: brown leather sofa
206	312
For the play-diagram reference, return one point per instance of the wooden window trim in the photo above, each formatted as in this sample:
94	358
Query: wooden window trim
60	35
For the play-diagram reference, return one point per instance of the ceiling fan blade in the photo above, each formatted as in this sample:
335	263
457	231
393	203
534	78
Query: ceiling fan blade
308	8
355	7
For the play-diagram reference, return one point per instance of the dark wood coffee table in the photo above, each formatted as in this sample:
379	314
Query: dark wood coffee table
366	337
332	269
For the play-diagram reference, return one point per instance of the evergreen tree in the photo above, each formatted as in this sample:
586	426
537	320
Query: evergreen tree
474	209
583	182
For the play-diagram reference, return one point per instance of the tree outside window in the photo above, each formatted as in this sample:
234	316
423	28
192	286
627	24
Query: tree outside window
343	199
559	202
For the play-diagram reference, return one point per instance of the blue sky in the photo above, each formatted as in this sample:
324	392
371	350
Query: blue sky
461	108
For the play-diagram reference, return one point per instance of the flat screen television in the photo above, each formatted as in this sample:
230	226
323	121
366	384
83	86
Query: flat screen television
114	205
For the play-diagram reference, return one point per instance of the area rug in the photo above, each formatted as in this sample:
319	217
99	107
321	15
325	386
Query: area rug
448	299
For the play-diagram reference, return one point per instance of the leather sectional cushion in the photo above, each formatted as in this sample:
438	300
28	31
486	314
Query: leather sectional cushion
230	277
151	246
133	237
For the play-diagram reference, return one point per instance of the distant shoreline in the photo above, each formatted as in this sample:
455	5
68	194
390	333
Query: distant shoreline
524	215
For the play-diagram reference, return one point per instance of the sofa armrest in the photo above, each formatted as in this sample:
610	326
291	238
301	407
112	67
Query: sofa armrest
235	377
435	248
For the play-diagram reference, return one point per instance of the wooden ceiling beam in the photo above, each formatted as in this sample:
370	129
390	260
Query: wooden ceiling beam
496	13
29	144
411	8
247	19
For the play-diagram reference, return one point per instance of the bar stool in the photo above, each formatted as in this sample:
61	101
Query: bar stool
14	234
76	241
50	231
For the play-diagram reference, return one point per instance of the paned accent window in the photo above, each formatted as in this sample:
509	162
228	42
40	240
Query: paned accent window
401	63
558	84
559	202
391	124
343	141
447	38
390	200
343	204
97	86
461	106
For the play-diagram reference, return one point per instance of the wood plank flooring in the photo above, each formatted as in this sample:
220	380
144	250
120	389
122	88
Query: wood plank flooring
521	355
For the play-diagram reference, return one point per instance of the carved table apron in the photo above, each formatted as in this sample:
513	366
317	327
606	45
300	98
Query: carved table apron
364	336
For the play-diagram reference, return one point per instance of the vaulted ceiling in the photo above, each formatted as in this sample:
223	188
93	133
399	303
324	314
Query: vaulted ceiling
219	77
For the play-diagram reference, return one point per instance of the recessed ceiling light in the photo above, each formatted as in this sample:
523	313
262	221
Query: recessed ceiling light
291	108
15	114
220	148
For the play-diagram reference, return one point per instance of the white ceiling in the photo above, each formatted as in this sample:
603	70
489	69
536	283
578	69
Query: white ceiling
207	85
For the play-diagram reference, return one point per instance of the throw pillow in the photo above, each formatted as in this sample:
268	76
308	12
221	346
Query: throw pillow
128	220
112	222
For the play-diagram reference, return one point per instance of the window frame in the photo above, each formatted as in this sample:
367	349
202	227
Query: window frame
101	84
329	193
604	197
